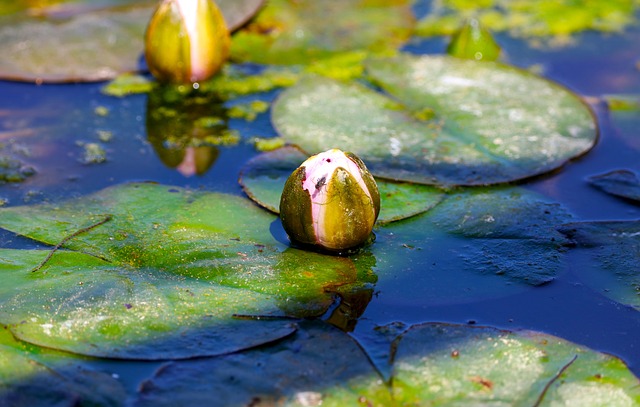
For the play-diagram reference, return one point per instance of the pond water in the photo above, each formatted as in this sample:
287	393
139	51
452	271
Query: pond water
61	120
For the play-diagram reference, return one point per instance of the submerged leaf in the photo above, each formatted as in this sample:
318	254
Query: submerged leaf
622	183
264	176
88	41
479	243
613	255
161	275
487	123
320	365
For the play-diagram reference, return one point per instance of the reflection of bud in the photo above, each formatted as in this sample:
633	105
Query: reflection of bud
186	41
474	42
330	201
178	131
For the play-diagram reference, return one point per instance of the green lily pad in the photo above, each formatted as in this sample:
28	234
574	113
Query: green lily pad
85	41
31	377
433	364
300	32
264	176
155	272
450	122
441	364
612	255
622	183
476	244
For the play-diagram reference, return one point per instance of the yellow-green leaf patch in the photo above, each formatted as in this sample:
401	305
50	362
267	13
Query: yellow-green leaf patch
154	272
441	120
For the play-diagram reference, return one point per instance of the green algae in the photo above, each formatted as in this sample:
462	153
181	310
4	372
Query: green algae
554	20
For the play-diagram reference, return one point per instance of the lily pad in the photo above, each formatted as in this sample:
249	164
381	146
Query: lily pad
622	183
443	121
433	364
264	176
612	255
297	371
304	31
31	376
86	41
441	364
155	272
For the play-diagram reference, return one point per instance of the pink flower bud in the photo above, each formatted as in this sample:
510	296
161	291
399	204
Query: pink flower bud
331	201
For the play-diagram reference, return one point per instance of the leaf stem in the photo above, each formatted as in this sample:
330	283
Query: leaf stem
553	379
106	219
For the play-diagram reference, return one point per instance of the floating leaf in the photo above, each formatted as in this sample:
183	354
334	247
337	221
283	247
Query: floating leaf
623	183
304	31
457	122
433	364
264	176
441	364
297	371
30	376
157	272
86	41
90	307
613	253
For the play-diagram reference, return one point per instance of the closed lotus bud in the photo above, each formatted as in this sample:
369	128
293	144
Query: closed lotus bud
187	41
474	42
331	201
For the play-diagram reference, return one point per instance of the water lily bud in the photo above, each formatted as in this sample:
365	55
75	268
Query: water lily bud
187	41
331	201
474	42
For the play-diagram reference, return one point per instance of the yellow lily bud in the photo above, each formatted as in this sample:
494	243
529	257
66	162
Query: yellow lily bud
472	41
186	41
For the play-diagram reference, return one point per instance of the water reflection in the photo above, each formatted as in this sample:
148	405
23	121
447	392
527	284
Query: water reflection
185	129
354	298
